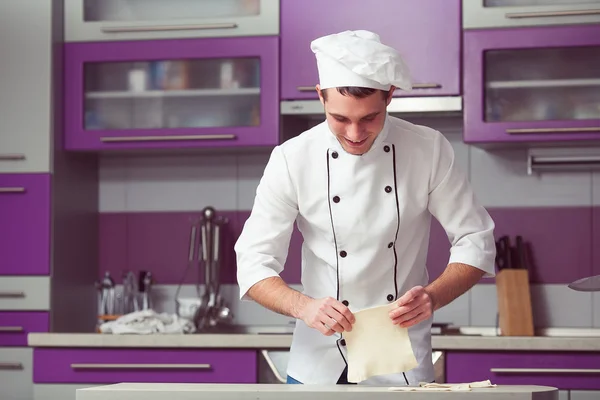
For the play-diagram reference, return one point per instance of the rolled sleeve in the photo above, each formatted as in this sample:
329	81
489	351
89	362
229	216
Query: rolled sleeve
453	203
262	248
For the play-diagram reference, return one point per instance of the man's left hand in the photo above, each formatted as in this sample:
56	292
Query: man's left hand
413	307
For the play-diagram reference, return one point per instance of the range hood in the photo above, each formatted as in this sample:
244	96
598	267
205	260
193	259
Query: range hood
563	159
398	105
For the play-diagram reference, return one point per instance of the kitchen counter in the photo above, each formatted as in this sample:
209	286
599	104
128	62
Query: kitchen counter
176	391
283	341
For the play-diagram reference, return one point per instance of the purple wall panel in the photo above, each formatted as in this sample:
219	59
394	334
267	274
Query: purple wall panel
560	242
596	241
28	321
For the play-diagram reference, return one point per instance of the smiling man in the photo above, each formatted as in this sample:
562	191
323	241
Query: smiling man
362	187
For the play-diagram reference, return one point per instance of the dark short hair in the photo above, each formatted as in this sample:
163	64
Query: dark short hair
356	91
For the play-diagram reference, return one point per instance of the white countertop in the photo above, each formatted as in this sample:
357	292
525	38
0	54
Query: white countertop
283	341
178	391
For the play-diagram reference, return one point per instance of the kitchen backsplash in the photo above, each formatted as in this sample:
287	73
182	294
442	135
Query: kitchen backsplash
147	203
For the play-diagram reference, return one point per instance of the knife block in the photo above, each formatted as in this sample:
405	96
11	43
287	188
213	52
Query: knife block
514	303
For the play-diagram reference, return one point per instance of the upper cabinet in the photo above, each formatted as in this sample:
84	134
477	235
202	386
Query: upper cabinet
513	13
25	86
532	84
426	33
110	20
172	93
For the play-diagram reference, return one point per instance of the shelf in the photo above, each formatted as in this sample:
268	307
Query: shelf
546	83
173	93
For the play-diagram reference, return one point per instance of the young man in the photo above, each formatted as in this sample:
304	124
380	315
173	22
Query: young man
362	187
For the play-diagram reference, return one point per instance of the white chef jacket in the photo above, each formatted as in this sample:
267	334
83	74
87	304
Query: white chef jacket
365	221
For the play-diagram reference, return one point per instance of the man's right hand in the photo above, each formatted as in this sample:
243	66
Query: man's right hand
327	316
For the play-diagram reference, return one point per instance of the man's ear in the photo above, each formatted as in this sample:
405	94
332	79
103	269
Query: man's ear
390	95
318	87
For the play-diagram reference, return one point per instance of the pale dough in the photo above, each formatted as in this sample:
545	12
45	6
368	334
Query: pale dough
445	387
376	346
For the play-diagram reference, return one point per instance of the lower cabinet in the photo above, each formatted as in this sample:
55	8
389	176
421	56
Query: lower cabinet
16	368
58	391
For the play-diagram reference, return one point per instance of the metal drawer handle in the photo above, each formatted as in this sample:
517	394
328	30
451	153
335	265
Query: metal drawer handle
12	190
165	138
12	157
552	13
306	88
426	86
554	130
10	366
162	28
140	366
545	370
11	329
12	295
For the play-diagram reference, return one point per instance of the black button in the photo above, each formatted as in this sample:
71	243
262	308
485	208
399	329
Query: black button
388	189
343	254
345	302
343	342
390	245
386	149
336	199
334	154
390	297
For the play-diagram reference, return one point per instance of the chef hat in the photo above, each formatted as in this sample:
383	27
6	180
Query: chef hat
358	58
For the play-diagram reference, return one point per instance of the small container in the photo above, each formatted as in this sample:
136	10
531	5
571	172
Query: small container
138	80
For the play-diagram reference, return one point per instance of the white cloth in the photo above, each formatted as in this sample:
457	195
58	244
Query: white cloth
358	58
445	387
299	183
148	322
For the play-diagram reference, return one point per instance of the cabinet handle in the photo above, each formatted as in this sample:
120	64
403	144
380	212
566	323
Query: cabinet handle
11	295
140	366
11	329
537	14
12	157
545	370
306	89
12	190
165	138
554	130
426	86
162	28
10	366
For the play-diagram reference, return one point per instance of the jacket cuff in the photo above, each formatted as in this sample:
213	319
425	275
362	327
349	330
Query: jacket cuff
482	262
251	278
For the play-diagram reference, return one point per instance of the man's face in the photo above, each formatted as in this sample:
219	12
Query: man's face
356	122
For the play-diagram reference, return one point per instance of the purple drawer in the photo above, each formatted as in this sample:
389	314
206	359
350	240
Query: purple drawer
65	365
559	369
14	326
25	226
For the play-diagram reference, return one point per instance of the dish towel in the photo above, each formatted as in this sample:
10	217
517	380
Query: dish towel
444	387
148	322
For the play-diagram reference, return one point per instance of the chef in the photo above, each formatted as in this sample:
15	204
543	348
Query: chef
362	187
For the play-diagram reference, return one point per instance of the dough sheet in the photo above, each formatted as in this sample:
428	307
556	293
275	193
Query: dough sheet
376	346
444	387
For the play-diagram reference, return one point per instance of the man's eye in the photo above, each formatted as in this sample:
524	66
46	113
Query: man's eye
368	119
340	119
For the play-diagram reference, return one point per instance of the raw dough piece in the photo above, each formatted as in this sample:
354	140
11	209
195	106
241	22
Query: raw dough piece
445	387
376	346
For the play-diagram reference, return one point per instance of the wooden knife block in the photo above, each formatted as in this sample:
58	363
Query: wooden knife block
514	303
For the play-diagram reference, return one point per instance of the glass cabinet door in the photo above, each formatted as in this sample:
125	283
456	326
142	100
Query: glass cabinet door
542	84
507	13
87	20
175	93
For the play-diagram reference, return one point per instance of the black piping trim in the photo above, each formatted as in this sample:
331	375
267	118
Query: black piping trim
406	380
397	228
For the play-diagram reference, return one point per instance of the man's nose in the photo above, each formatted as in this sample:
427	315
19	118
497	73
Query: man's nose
354	132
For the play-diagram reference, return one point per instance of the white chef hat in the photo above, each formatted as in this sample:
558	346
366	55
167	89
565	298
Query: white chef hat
358	58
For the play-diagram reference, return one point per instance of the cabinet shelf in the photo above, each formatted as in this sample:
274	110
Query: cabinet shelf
545	83
172	93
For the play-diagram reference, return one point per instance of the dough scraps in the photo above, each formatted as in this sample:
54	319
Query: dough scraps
376	346
445	387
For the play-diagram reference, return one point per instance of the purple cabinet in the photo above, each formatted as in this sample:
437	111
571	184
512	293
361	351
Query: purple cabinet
67	365
25	224
14	326
172	93
559	369
426	32
596	240
535	84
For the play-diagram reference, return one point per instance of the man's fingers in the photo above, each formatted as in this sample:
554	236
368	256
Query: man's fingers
415	313
325	330
409	296
330	322
340	319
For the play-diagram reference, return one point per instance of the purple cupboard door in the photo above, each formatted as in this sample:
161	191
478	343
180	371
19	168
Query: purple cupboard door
25	224
426	32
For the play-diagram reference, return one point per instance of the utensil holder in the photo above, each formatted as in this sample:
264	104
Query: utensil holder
514	303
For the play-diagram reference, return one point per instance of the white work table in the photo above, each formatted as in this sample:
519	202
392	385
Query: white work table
177	391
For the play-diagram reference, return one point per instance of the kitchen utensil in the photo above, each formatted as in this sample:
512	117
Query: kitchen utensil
522	259
108	294
147	285
189	308
503	253
589	284
130	292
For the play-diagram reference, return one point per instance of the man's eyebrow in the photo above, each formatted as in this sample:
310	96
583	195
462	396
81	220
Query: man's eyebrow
373	114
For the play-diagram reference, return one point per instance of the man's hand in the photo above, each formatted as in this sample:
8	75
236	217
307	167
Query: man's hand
327	316
413	307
